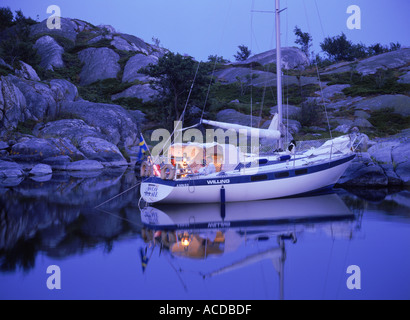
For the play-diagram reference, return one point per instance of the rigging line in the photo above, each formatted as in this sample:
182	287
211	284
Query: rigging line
129	189
306	15
327	270
252	6
216	58
320	82
320	20
286	84
182	114
177	273
209	89
344	268
189	95
190	90
266	70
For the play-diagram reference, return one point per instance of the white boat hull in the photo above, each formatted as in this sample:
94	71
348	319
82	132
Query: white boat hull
208	190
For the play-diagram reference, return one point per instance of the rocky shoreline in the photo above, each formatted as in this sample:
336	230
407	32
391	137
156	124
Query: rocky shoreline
380	164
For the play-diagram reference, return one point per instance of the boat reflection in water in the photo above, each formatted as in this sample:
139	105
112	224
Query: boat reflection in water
203	230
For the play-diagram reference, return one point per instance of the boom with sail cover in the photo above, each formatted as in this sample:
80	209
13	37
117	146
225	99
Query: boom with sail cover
271	133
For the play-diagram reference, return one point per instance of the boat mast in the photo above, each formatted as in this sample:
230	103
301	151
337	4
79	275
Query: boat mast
279	69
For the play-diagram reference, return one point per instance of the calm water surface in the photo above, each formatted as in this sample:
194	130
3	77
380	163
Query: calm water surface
288	249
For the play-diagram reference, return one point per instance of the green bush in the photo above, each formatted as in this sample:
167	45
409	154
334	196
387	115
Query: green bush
386	122
102	90
311	114
26	127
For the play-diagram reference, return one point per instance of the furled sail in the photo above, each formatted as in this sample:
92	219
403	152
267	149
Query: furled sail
271	133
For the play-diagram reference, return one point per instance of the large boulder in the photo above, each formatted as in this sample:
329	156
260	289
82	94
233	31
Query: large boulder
360	174
58	162
292	58
122	44
10	170
393	156
138	43
63	90
41	169
13	106
25	71
333	91
84	165
73	129
388	60
401	159
345	125
50	51
99	64
343	103
260	78
36	149
68	29
111	120
101	150
44	99
134	64
140	91
39	98
83	26
400	103
100	38
382	151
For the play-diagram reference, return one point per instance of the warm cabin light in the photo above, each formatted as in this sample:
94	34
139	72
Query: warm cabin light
185	242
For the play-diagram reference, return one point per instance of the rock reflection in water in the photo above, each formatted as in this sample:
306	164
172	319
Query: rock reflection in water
57	216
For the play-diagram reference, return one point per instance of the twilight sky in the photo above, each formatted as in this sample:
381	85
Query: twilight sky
207	27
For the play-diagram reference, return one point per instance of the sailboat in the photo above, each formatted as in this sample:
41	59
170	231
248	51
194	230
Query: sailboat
220	173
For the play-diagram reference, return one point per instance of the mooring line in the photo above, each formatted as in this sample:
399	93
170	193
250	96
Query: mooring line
118	195
119	217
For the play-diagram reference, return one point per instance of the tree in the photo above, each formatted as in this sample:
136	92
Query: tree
174	75
359	51
216	59
395	46
156	41
243	53
6	18
303	39
376	49
16	43
338	48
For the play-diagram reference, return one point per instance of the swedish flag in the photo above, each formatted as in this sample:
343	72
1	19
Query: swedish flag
144	258
143	147
143	144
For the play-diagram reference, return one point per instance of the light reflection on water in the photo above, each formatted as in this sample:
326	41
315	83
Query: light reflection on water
295	248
